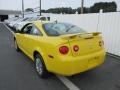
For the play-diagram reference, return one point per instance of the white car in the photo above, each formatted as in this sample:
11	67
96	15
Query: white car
12	23
19	25
10	20
43	18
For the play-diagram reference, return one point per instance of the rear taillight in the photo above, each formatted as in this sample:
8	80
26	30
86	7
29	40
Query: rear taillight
75	48
63	49
101	43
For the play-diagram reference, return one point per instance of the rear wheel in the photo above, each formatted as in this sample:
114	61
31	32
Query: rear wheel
16	46
40	66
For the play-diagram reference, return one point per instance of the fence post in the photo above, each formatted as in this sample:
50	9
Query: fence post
99	14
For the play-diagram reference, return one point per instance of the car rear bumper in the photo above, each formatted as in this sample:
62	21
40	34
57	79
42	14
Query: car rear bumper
73	65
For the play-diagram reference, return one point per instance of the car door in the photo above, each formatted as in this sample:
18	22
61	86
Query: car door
20	36
31	39
23	38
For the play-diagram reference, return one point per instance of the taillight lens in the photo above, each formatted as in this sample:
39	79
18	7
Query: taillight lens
101	43
63	49
76	48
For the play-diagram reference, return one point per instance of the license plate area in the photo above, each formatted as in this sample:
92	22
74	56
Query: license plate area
93	61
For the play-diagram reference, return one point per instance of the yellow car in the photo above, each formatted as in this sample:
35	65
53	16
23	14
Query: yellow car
60	48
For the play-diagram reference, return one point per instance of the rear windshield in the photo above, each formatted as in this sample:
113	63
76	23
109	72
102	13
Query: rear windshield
57	29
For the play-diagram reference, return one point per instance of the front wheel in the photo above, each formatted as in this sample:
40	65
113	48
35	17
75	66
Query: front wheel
40	66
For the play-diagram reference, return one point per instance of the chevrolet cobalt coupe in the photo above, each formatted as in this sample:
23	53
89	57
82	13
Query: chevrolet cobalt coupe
60	48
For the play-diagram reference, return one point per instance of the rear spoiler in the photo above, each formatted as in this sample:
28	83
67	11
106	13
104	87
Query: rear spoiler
95	33
80	35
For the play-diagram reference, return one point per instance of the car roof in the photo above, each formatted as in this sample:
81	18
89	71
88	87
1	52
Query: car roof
22	24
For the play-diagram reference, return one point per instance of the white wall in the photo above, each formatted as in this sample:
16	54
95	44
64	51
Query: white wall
85	21
107	23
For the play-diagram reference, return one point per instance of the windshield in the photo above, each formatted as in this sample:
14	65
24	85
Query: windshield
57	29
25	19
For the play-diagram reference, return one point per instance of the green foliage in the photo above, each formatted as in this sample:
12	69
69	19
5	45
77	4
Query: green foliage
106	6
29	10
85	10
63	10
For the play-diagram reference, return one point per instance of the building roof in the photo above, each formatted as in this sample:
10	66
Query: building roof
7	12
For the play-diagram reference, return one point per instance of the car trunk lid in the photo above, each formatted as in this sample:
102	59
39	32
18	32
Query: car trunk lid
86	42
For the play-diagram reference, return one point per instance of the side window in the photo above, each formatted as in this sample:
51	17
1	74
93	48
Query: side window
27	29
43	18
31	30
35	31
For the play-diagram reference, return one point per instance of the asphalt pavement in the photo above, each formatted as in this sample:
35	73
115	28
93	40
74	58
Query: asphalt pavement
17	71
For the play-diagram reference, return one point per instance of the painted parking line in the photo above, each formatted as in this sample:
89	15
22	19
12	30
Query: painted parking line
67	83
63	79
8	28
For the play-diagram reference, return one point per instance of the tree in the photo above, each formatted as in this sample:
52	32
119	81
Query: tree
106	6
29	10
63	10
85	10
43	11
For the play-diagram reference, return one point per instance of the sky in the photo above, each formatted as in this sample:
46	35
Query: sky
16	4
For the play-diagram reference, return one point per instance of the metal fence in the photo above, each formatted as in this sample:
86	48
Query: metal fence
107	23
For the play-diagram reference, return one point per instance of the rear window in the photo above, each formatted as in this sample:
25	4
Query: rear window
57	29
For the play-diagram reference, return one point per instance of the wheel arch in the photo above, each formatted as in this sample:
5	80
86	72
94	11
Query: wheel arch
35	53
42	55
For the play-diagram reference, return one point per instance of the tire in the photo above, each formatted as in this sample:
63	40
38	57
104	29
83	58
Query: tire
16	46
40	66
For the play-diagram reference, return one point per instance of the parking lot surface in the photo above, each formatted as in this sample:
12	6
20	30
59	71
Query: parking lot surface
17	72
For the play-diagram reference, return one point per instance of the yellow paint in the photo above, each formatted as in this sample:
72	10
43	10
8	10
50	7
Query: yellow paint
90	54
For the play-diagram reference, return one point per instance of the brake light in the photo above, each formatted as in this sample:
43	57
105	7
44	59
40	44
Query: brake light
101	43
63	49
75	48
